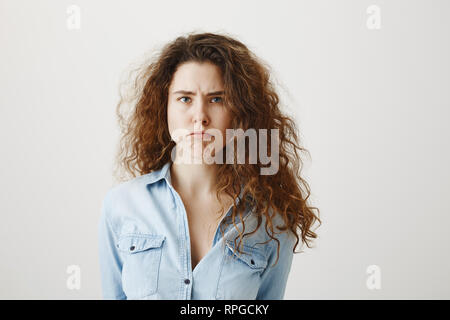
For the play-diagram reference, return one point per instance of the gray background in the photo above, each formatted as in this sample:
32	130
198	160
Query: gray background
372	107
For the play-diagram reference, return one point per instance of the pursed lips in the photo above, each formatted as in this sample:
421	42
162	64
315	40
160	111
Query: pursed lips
200	133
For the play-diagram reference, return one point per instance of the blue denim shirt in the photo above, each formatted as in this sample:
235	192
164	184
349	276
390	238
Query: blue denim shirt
145	253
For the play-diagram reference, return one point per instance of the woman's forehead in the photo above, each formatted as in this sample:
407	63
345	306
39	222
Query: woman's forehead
195	76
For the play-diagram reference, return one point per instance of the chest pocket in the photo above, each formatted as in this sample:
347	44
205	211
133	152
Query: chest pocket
142	258
240	275
253	257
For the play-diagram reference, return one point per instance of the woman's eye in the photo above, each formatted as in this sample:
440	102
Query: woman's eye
187	99
219	99
181	99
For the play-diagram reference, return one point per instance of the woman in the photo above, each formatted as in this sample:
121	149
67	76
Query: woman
193	223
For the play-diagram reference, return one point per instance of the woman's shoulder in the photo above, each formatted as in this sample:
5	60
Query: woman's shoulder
124	193
141	182
131	186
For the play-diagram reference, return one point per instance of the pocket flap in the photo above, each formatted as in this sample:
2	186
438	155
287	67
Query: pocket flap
133	243
254	257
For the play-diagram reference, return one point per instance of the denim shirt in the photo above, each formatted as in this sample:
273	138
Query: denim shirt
145	252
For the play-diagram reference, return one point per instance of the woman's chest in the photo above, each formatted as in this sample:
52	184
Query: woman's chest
203	220
156	260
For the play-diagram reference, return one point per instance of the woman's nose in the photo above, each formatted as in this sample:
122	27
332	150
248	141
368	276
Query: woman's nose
200	114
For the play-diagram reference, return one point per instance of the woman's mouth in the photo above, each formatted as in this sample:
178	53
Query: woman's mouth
200	134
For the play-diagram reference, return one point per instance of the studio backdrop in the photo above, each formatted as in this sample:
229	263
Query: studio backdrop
366	81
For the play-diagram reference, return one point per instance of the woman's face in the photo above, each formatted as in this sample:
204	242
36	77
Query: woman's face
195	103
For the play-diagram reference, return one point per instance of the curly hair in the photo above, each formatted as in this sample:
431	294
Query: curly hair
249	93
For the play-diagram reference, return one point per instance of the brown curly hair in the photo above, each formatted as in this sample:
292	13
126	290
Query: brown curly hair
249	93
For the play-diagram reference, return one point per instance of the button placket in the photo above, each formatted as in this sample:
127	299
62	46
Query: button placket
187	253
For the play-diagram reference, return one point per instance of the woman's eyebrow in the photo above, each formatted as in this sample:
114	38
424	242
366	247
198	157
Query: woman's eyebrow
214	93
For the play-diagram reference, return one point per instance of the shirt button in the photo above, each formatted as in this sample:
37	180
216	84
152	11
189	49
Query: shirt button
132	248
187	281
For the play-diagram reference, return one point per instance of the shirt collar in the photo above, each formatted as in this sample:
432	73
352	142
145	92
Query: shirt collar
162	173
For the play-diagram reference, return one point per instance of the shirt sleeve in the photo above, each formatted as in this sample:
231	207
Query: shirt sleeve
110	260
274	278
